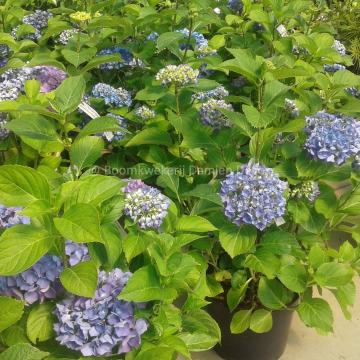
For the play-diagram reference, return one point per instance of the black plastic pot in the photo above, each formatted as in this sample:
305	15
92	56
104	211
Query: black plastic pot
249	345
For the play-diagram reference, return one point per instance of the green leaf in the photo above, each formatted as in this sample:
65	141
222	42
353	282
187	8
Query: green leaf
235	296
206	192
23	352
294	277
34	127
112	241
279	242
11	311
261	321
80	279
263	261
168	39
85	151
333	274
240	321
21	246
273	91
169	180
345	295
316	313
237	240
273	294
80	223
134	244
99	60
77	58
151	93
156	353
20	186
69	94
40	323
144	285
317	256
256	118
195	224
100	125
150	136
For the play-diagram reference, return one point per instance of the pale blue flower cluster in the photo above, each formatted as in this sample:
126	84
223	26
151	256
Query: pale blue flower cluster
291	108
145	113
218	93
179	75
152	36
76	252
332	68
39	19
66	35
9	216
198	37
126	58
211	115
339	47
145	205
236	6
38	283
117	97
118	135
332	138
102	325
254	195
13	82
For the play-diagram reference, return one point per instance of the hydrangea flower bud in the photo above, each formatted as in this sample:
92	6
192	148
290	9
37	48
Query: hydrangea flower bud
76	252
291	108
211	116
332	137
36	284
308	189
218	93
179	75
102	325
254	195
145	113
126	58
116	97
145	205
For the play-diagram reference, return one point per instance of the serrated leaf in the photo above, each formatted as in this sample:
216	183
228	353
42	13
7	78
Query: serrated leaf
11	311
40	322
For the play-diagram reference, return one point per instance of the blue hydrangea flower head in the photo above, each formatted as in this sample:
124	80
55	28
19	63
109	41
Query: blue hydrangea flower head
102	325
236	6
218	93
38	283
66	35
126	58
4	54
332	68
145	205
76	252
211	115
9	216
254	195
39	19
152	36
112	96
332	138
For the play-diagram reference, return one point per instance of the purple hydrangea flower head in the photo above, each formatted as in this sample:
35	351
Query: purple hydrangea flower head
38	283
211	115
236	6
332	138
218	93
254	195
116	97
39	19
9	216
4	133
102	325
50	77
76	252
145	205
126	58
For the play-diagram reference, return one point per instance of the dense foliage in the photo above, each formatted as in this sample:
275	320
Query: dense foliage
158	155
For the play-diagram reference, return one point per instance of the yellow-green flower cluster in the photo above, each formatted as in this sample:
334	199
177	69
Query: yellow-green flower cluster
179	75
82	16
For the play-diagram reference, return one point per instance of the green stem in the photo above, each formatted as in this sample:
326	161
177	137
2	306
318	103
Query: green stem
188	39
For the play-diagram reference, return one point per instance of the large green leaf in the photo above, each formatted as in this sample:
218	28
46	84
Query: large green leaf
316	313
263	261
237	240
20	185
273	294
40	323
23	352
85	151
333	274
80	223
134	244
81	279
261	321
100	125
22	246
195	224
77	58
150	136
11	311
279	242
294	277
145	285
240	321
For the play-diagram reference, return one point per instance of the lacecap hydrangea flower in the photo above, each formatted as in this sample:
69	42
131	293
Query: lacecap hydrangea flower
145	205
218	93
9	216
38	283
76	252
308	189
144	113
102	325
291	108
126	58
179	75
332	138
254	195
4	133
211	115
116	97
66	35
